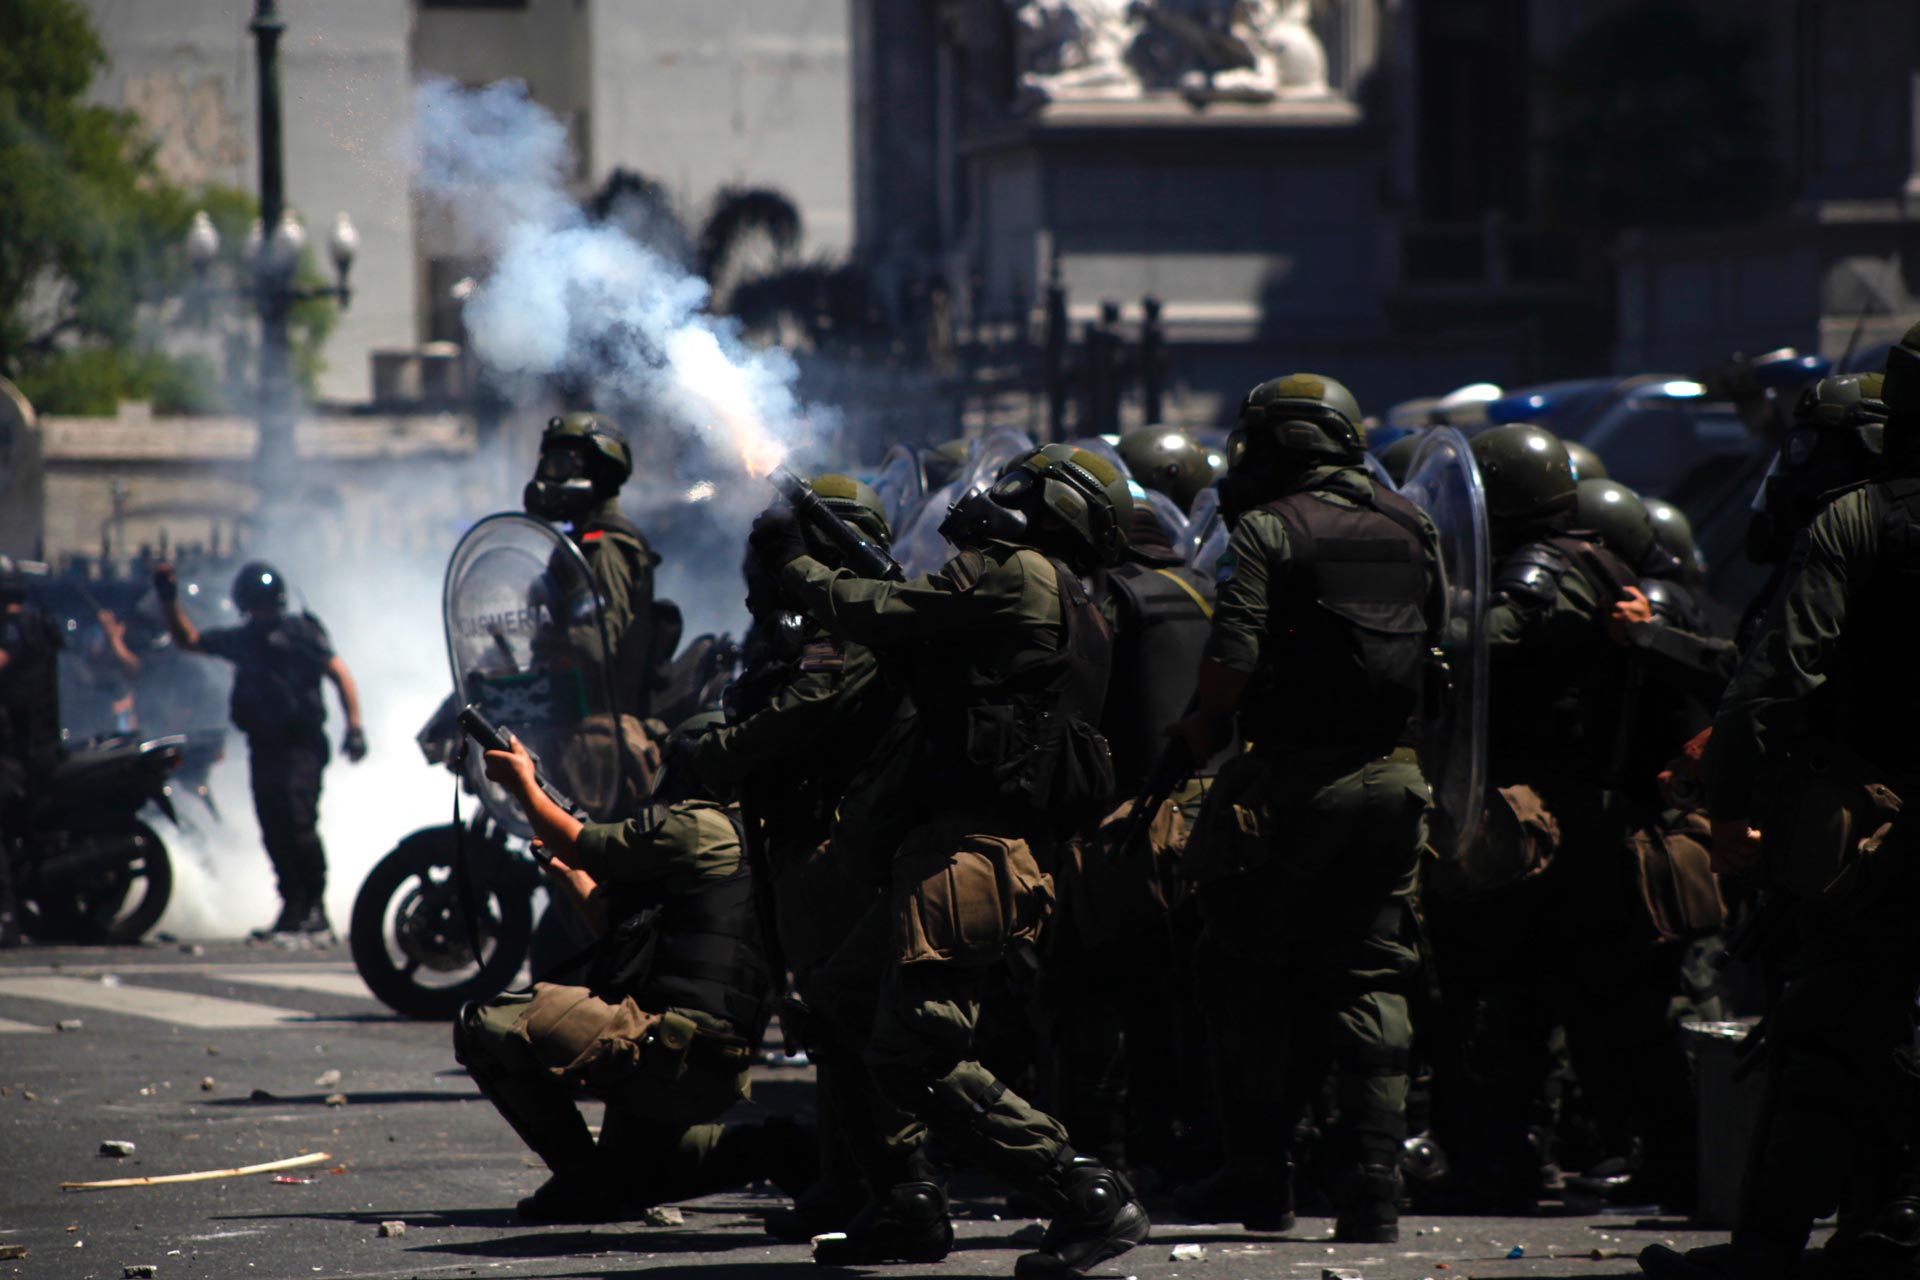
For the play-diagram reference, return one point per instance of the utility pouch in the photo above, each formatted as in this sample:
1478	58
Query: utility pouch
613	1056
1516	841
1678	895
1112	889
1234	832
962	896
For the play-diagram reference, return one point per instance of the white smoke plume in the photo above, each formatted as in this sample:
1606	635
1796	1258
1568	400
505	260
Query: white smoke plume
566	298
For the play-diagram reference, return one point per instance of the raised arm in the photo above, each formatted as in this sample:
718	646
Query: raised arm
166	586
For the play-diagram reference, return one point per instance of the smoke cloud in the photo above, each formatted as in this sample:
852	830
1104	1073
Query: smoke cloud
584	303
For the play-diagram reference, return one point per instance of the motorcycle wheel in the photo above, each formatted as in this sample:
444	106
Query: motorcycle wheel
114	905
408	934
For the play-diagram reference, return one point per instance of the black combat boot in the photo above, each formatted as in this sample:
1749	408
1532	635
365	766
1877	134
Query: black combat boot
312	922
291	911
1259	1198
1369	1206
571	1198
1714	1262
1096	1217
906	1223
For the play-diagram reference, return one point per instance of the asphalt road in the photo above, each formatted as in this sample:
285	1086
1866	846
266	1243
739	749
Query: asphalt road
222	1056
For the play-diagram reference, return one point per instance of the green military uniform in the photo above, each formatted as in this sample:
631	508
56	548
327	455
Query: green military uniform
965	879
1813	744
622	564
1005	659
668	1048
1307	850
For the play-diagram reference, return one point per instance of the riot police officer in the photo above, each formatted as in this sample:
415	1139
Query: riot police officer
1332	594
1810	761
663	1030
279	659
30	746
584	460
804	687
1005	657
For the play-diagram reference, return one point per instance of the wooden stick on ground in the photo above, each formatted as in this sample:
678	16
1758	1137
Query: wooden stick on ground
205	1175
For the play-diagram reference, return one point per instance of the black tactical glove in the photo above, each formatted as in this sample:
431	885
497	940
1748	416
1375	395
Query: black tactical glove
355	745
776	538
165	585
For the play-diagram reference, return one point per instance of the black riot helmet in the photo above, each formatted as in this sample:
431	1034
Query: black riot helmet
1617	514
1287	425
1071	502
259	588
584	459
1526	472
1837	438
1170	462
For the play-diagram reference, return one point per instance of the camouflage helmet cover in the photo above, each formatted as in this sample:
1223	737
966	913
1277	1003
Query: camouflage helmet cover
1305	413
1082	491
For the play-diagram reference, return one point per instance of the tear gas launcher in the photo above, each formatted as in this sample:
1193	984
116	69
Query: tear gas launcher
859	553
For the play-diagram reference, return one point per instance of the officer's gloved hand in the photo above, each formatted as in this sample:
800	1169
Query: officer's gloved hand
776	537
165	584
355	745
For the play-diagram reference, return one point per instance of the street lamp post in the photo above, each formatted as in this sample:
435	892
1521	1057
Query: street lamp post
274	451
273	252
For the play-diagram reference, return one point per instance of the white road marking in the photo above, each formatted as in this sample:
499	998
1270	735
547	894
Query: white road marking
151	1002
323	982
7	1024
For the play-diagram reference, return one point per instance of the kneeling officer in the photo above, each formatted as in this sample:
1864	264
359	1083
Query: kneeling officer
677	996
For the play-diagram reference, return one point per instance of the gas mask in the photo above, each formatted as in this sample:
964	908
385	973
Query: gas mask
561	490
977	517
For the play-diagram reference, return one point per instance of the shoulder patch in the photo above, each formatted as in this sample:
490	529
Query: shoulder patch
822	655
966	569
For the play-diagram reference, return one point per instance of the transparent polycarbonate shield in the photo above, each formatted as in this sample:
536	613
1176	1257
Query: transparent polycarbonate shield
1378	470
1202	519
901	483
1210	546
1171	518
528	645
1443	481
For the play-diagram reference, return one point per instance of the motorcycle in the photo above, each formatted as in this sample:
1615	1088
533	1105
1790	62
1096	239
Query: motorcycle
88	868
448	915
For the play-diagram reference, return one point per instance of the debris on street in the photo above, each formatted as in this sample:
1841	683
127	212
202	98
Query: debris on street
12	1252
140	1271
68	1024
115	1147
203	1175
336	1099
663	1215
1188	1253
392	1230
327	1079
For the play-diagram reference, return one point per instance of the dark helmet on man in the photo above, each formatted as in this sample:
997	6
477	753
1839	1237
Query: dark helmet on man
259	588
1616	513
584	459
855	502
1587	464
1058	498
1673	551
1303	413
1526	473
1169	462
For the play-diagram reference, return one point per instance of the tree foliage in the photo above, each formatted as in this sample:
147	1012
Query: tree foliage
91	233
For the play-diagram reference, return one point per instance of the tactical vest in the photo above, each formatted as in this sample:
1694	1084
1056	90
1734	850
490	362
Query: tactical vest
1024	739
1348	630
1878	691
1163	618
638	662
696	950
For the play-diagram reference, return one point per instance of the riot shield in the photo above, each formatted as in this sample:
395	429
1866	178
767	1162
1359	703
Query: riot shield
528	644
1443	481
901	483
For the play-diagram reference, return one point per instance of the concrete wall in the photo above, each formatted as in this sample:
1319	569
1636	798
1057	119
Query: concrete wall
186	68
701	95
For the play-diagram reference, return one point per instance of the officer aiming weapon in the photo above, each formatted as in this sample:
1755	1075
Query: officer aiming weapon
491	738
865	558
